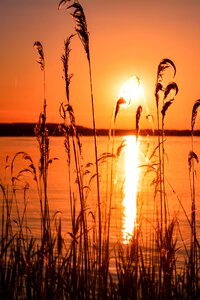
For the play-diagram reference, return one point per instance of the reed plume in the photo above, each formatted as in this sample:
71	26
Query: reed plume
40	58
195	110
120	102
81	25
138	115
192	155
62	2
65	61
170	92
163	65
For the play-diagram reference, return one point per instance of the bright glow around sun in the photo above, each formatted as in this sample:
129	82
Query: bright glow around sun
130	187
131	89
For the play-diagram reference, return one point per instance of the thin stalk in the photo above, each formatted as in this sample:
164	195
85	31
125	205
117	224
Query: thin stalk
112	131
161	200
160	175
96	164
80	186
163	174
193	255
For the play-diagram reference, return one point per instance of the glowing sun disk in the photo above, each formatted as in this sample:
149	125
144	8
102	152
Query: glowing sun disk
131	89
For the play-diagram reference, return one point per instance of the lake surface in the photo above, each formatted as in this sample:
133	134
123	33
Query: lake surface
132	192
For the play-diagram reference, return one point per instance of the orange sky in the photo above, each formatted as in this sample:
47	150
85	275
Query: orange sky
126	38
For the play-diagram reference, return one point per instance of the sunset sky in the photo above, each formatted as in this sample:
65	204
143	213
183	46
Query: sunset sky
127	38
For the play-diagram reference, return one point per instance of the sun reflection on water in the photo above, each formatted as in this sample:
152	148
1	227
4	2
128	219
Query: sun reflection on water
130	187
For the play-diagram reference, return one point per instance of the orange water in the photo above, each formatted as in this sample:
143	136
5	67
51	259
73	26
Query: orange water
141	205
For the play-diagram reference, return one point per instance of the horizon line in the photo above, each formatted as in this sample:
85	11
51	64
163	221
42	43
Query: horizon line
27	129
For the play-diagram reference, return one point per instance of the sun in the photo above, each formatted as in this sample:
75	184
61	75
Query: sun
130	90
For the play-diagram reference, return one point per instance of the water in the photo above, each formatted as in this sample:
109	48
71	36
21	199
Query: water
132	192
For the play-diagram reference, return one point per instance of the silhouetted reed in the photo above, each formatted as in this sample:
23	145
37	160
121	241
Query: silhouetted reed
193	263
165	91
82	31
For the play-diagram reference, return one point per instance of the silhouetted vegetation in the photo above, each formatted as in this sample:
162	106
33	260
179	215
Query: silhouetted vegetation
80	262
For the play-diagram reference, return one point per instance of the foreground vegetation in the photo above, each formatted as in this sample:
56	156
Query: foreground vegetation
84	264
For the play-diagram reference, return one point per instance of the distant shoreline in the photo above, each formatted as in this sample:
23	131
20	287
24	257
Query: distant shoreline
27	129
